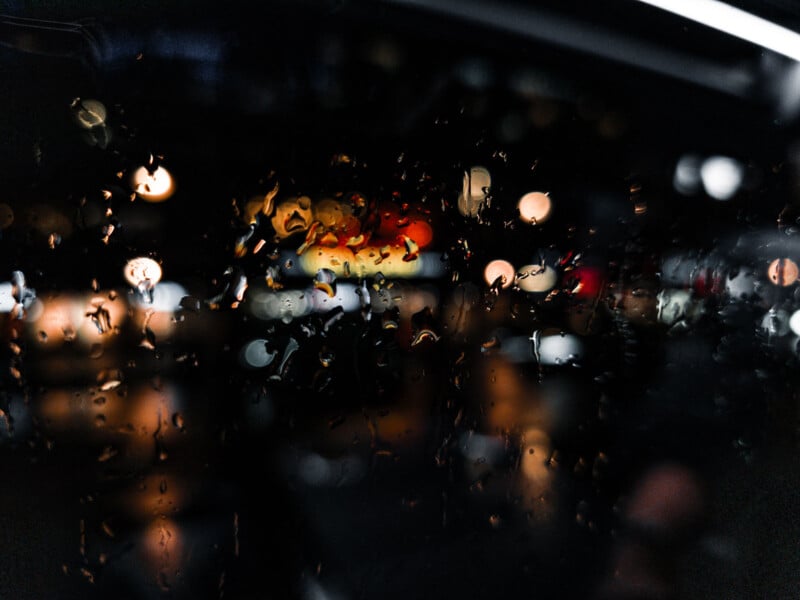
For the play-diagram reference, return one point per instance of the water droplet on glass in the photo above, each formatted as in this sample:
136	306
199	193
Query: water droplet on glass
325	280
107	529
111	384
178	421
143	274
88	113
6	216
100	316
326	358
108	453
190	303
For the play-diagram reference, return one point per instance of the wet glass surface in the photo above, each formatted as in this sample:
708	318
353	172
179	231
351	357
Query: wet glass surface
338	305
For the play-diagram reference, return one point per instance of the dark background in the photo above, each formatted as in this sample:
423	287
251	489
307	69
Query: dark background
235	98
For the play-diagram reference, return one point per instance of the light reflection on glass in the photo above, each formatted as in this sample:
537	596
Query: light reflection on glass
501	269
783	272
87	318
474	195
154	185
162	547
534	207
721	176
537	478
536	278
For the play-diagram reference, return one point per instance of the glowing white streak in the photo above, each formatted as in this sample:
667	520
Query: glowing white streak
735	22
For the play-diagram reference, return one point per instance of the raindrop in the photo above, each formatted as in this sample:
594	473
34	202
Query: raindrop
536	278
100	316
783	272
21	293
88	113
143	274
153	183
326	358
325	280
178	421
499	273
108	453
534	207
107	529
190	303
474	197
111	384
148	339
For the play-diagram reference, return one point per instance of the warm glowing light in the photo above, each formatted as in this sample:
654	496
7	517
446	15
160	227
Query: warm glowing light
411	300
783	271
392	260
153	186
101	316
536	278
91	319
421	232
536	449
88	113
499	269
162	544
292	215
153	324
142	271
534	207
585	282
475	191
735	22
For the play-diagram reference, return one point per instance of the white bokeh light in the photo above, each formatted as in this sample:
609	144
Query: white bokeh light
721	176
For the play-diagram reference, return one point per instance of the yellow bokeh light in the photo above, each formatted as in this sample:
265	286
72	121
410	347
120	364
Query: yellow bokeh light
499	268
535	207
536	278
153	186
142	269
